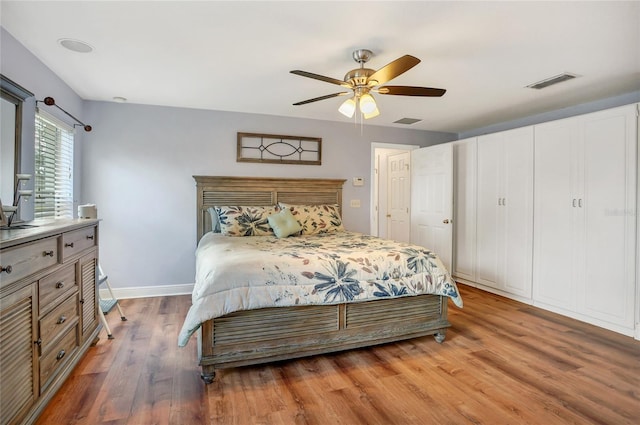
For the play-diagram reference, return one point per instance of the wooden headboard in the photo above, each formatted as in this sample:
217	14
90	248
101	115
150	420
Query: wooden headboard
218	190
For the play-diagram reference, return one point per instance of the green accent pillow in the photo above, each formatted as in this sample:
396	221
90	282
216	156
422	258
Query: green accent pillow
284	223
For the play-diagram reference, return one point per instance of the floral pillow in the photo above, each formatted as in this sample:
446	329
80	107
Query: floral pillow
244	220
315	219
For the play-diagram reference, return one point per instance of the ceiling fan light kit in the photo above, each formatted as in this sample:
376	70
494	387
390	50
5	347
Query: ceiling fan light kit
362	81
367	104
348	107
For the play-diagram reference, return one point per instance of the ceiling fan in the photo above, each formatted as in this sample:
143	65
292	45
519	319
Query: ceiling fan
363	81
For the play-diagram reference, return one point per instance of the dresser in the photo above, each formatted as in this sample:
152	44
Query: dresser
48	311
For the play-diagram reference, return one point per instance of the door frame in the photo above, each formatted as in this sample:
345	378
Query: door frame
379	149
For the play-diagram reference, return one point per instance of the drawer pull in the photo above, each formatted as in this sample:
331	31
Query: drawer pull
61	320
60	355
7	269
60	285
90	237
68	245
47	253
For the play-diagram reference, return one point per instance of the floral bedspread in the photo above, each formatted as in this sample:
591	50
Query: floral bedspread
243	273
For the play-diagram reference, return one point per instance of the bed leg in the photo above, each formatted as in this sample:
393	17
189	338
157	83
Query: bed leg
208	374
208	377
439	336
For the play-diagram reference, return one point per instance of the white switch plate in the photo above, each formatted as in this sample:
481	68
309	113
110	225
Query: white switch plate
355	203
358	181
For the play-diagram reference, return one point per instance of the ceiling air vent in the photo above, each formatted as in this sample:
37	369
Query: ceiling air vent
407	121
552	80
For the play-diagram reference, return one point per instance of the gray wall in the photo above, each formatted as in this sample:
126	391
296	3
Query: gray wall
21	66
139	161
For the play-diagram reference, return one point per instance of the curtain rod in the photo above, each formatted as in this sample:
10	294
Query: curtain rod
49	101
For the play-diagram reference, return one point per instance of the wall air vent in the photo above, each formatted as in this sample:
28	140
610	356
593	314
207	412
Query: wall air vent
407	121
552	80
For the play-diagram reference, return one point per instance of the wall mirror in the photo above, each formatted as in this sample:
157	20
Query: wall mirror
15	115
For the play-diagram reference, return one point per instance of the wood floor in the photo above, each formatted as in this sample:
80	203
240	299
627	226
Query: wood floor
502	363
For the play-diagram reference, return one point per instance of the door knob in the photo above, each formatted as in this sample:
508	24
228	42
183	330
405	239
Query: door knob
445	221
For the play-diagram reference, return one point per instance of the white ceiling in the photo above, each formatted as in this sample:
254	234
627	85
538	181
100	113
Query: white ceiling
236	56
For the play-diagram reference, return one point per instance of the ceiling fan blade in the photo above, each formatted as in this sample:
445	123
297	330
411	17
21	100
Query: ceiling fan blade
393	69
411	91
328	96
322	78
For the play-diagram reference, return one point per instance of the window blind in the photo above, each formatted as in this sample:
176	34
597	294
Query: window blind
53	181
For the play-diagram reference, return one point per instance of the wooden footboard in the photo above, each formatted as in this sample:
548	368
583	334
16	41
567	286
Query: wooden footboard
272	334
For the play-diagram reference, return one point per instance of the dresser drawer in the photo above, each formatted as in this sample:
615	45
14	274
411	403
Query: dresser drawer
57	284
77	241
58	356
58	321
23	260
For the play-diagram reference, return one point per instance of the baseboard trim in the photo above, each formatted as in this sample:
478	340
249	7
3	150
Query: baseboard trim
147	291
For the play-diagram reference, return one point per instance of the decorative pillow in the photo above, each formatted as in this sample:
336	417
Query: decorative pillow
244	220
215	222
316	219
284	223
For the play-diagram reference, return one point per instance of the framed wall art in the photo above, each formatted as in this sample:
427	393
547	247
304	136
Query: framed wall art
279	149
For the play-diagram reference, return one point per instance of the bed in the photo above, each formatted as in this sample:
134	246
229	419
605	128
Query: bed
270	321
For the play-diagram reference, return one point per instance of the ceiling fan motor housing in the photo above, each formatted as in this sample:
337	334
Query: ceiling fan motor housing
358	77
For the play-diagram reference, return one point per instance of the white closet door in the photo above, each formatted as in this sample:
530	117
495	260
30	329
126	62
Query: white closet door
517	211
554	214
464	223
609	226
489	227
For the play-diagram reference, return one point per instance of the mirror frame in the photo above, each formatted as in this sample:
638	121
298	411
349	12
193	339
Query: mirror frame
16	94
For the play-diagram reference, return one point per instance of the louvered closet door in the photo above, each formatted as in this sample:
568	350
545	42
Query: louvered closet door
556	221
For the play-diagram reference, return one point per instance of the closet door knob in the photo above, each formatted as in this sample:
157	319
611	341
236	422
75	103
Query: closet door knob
445	221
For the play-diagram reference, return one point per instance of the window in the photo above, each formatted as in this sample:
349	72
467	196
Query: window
53	168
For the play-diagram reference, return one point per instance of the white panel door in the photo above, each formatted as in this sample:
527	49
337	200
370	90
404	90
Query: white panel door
399	197
432	200
608	281
464	204
505	211
490	235
555	216
517	211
